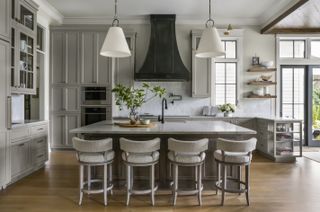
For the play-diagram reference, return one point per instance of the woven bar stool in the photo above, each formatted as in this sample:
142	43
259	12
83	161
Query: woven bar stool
92	153
140	154
234	153
187	153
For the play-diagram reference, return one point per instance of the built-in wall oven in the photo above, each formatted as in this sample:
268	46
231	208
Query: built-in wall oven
96	105
94	96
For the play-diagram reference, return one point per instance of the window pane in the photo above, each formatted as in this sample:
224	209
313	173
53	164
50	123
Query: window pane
298	87
231	73
299	49
220	72
220	94
286	49
298	111
287	85
315	49
230	47
231	94
287	110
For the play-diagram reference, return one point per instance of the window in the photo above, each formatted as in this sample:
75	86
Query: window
225	86
292	92
226	83
315	48
292	48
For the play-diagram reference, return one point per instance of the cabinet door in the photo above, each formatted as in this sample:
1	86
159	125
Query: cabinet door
61	125
5	19
103	63
39	150
3	160
4	82
58	57
26	14
65	99
201	73
20	160
88	58
72	99
72	56
124	67
58	99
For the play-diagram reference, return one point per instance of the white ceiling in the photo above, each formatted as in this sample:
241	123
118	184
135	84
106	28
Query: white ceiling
253	11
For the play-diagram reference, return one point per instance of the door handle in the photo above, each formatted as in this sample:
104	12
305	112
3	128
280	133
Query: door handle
9	112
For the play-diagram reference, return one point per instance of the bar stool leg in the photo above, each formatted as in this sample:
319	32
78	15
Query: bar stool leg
131	177
152	183
89	177
247	170
81	184
239	178
128	185
175	184
200	185
219	176
224	182
105	182
196	176
110	177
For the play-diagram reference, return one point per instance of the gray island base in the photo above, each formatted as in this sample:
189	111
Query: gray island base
184	130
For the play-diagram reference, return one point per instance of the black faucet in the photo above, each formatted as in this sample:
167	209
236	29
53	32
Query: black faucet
163	107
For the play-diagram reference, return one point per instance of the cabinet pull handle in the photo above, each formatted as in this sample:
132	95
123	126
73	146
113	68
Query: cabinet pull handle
9	116
39	156
21	144
40	129
39	142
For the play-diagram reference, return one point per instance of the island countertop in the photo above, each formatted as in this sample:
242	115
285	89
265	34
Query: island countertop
170	128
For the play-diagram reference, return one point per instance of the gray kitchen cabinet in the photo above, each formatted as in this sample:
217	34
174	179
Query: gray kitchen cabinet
65	99
24	13
72	57
88	58
20	158
4	160
39	151
5	19
57	61
124	67
201	71
104	74
60	126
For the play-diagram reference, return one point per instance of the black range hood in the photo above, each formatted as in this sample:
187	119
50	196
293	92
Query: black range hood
163	61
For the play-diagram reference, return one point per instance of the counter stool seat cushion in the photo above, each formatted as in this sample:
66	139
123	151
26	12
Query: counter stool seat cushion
186	157
91	157
233	157
140	157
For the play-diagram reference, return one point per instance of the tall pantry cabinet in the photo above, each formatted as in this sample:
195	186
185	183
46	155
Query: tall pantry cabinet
5	8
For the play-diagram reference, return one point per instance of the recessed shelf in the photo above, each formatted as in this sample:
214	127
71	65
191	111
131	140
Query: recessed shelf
254	96
261	69
261	83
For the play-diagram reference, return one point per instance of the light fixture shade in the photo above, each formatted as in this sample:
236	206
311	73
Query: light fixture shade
115	44
210	44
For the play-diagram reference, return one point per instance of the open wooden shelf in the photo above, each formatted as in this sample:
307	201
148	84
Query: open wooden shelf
261	69
261	83
254	96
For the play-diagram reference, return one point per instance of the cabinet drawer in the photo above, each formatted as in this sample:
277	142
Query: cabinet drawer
41	129
18	134
40	158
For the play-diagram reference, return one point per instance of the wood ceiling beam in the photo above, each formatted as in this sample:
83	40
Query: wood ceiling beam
294	31
267	29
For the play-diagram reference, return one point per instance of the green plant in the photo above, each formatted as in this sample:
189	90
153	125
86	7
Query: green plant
134	98
227	108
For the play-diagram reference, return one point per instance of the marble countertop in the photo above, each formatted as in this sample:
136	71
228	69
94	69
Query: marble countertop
170	127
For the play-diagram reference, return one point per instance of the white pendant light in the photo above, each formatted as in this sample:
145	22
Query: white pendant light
115	43
210	45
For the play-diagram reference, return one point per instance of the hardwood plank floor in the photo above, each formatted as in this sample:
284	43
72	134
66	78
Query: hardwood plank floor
274	187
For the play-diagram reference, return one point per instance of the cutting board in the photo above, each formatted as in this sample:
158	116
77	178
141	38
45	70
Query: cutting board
128	125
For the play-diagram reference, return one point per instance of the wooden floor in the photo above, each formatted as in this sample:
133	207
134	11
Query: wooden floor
274	187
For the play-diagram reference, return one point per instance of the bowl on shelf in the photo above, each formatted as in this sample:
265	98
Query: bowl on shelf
145	121
267	64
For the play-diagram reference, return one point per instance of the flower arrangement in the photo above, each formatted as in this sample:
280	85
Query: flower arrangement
134	98
227	108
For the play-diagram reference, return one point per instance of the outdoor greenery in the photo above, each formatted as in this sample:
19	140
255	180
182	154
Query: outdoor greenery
227	108
134	98
316	109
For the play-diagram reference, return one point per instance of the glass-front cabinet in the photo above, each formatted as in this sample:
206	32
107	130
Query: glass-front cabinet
23	47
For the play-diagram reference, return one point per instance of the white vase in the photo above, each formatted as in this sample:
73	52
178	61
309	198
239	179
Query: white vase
228	114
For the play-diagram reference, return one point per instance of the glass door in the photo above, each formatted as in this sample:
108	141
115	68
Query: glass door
314	105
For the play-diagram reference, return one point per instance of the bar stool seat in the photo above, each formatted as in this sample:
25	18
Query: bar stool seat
232	157
186	157
140	157
96	157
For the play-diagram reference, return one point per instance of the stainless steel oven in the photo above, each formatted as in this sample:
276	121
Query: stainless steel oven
94	96
91	115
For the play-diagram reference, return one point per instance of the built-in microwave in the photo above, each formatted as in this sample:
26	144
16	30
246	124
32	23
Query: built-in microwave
94	96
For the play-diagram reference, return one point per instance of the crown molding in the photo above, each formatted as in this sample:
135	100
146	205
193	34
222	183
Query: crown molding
49	12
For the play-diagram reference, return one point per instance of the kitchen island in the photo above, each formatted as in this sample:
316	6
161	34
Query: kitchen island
185	130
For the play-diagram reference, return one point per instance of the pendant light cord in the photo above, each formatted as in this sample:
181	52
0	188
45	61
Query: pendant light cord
115	21
210	20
